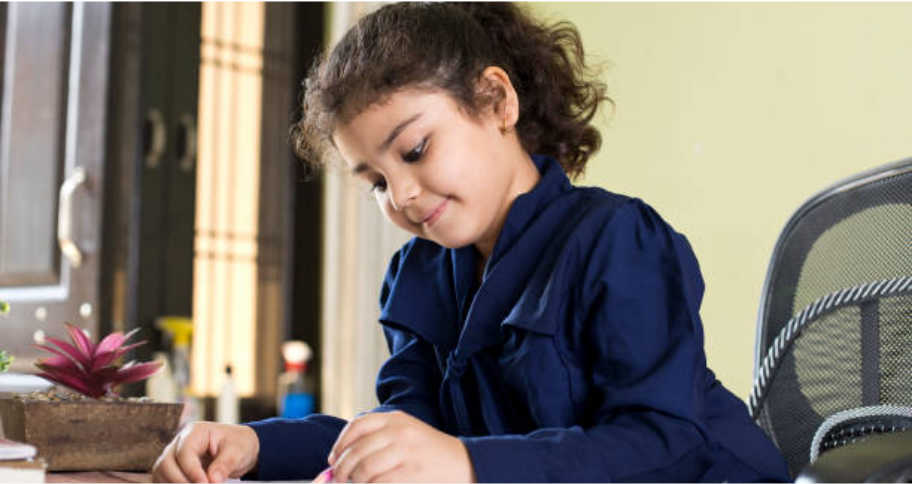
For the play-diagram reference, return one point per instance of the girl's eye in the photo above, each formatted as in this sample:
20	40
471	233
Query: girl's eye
378	186
415	154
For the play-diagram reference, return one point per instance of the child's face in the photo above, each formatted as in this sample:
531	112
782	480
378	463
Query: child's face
435	171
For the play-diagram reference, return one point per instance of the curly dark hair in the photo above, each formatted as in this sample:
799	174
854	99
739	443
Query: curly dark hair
446	47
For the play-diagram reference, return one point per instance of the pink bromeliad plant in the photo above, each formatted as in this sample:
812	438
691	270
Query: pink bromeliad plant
92	369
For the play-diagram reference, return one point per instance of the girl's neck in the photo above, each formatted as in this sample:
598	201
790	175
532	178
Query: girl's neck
480	264
525	179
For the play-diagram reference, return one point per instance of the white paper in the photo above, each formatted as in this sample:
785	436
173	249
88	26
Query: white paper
12	450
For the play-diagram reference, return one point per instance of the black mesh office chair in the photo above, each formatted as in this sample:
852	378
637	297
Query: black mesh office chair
833	362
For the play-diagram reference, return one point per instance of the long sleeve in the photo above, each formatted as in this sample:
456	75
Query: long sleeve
297	448
294	448
409	380
639	333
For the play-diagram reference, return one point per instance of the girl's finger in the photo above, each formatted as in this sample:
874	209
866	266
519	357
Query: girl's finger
396	474
191	465
378	442
167	470
377	464
355	429
224	464
188	453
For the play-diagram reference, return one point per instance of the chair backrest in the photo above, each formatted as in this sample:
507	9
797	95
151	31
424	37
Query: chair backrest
835	324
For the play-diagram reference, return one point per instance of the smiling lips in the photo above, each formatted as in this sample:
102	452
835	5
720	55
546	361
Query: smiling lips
435	214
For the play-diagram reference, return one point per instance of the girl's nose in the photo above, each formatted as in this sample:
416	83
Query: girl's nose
403	192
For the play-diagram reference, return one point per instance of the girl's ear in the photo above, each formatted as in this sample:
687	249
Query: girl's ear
495	86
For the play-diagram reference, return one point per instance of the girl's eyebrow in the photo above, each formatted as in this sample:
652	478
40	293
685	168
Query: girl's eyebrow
362	167
394	133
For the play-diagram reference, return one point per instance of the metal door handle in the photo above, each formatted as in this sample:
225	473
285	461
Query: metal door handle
154	137
65	216
186	143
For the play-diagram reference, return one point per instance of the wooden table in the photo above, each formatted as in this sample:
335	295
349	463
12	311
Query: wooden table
98	476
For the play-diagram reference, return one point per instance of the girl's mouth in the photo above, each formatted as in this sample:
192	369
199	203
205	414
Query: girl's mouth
436	214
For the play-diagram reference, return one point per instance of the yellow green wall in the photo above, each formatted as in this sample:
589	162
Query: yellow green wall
730	115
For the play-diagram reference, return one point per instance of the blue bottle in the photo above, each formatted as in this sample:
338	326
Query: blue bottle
296	385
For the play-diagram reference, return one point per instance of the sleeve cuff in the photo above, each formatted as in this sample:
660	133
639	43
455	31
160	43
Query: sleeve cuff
293	449
503	458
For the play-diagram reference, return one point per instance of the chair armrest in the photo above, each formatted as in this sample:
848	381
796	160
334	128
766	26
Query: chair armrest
882	458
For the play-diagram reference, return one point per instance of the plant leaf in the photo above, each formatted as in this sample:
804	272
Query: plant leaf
58	352
58	363
106	358
75	353
110	343
70	382
62	368
80	339
102	380
132	372
5	360
114	341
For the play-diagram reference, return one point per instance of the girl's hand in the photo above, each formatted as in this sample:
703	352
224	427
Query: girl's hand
396	447
208	452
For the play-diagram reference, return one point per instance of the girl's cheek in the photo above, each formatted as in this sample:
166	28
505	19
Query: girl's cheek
399	220
386	207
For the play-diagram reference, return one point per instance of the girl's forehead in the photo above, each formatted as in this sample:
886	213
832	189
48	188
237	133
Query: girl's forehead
397	107
410	99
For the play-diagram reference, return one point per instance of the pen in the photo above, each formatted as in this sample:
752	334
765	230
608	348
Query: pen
325	476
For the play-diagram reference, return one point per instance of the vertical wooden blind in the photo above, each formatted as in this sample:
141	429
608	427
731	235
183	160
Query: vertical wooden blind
228	196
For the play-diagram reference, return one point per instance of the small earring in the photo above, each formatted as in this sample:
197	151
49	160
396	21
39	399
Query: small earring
503	128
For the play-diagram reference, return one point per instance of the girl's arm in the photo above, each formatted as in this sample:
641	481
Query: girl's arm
298	448
409	381
294	448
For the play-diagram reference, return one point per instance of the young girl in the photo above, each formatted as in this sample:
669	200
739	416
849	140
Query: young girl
539	331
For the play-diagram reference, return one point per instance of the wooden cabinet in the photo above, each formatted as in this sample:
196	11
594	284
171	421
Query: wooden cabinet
52	151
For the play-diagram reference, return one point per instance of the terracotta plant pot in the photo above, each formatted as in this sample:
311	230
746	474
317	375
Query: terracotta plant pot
92	435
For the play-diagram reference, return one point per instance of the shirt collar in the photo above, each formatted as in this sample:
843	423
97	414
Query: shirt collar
526	206
430	288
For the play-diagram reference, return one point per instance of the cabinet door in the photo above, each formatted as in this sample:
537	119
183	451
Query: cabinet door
52	151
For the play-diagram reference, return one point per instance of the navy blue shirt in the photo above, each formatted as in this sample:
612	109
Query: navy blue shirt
578	358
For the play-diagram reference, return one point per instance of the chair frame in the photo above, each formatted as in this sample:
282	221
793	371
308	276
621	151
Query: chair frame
870	176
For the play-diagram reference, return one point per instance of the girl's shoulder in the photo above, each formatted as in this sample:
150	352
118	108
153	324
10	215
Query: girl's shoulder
611	230
600	213
623	239
598	202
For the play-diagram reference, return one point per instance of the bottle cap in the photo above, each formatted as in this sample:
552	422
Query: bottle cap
296	352
179	327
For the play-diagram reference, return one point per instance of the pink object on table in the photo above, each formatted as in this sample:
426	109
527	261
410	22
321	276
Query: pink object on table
325	476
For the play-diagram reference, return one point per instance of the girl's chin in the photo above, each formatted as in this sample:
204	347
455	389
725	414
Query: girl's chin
450	241
452	246
449	244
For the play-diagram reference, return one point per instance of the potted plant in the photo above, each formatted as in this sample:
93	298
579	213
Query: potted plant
5	359
91	427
